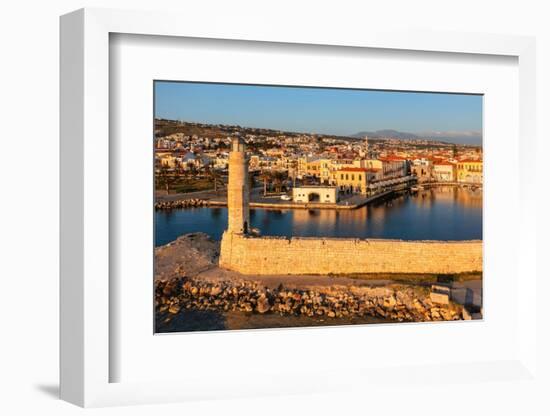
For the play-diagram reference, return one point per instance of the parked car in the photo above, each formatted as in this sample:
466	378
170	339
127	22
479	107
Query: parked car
286	197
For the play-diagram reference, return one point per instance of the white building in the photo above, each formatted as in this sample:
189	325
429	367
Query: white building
324	194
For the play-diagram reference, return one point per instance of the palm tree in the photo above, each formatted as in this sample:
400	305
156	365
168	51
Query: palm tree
164	178
250	181
266	178
214	176
217	179
293	168
178	167
191	169
278	179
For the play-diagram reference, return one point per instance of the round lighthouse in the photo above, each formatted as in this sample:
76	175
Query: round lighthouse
238	193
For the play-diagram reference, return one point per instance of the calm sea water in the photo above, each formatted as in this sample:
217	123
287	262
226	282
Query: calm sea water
443	213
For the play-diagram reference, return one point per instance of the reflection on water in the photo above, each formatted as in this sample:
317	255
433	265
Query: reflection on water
443	213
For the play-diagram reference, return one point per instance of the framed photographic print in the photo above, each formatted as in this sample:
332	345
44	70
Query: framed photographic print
257	205
268	215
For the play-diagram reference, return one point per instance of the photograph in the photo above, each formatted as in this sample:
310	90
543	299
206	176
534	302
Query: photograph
275	208
297	206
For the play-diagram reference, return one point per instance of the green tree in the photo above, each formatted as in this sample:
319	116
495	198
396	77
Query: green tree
164	178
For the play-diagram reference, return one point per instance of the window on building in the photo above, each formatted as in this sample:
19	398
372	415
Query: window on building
352	177
359	177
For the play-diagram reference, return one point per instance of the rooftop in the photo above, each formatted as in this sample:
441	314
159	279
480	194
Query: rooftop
315	187
470	161
359	169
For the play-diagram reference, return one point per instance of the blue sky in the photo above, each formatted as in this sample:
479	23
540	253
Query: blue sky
321	110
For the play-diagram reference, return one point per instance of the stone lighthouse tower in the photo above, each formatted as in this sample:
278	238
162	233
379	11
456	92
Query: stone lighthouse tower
238	214
238	194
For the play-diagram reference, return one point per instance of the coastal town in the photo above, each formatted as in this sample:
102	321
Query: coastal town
242	279
307	168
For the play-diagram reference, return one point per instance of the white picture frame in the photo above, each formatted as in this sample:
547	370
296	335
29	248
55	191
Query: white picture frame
86	355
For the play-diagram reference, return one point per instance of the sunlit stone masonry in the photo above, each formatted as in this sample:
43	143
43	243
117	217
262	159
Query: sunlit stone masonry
249	254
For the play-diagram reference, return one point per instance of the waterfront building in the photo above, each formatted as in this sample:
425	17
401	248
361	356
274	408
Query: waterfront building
422	169
394	167
352	180
444	172
470	171
325	169
324	194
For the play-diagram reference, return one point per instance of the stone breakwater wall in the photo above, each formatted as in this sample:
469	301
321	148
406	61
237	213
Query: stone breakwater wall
302	255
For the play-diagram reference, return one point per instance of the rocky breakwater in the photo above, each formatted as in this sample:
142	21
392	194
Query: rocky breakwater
400	303
182	203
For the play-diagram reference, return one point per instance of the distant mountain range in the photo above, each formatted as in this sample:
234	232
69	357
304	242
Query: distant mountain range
472	137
